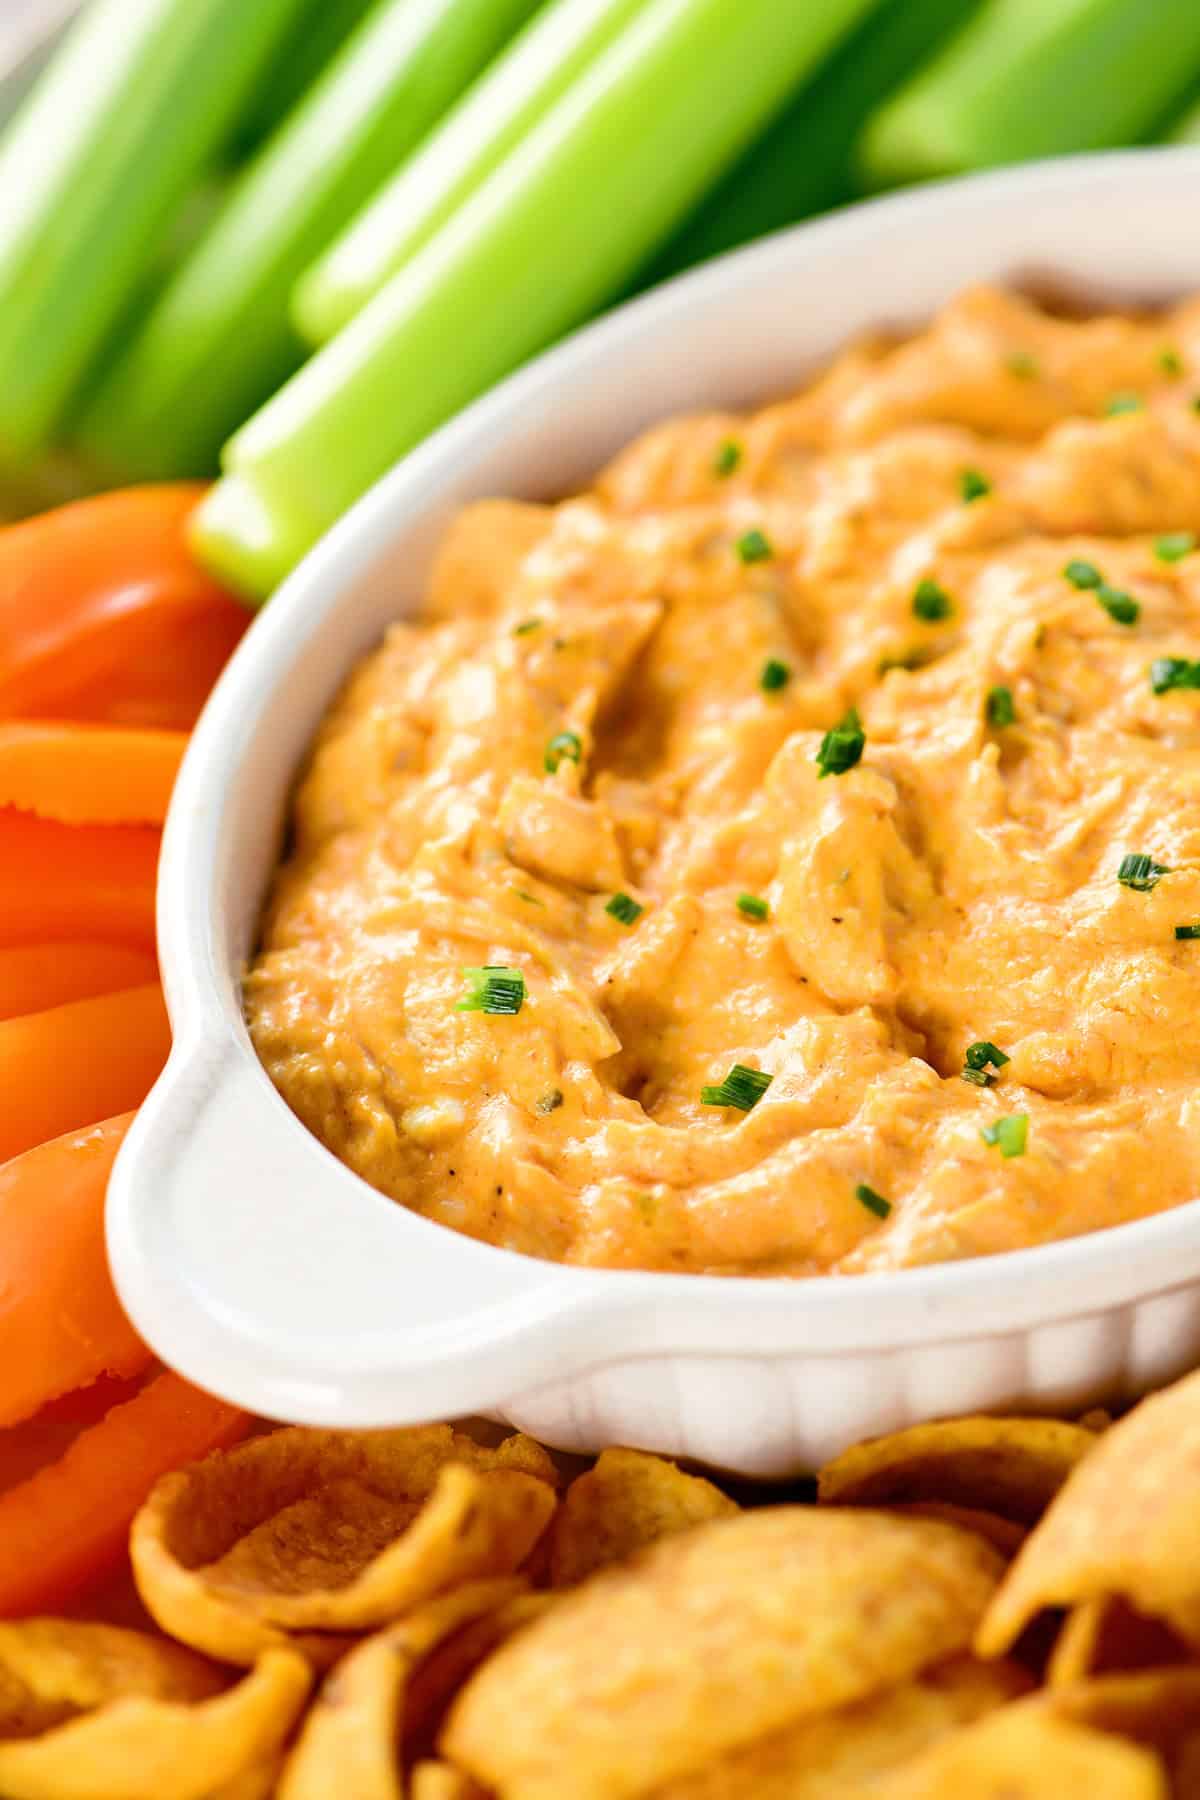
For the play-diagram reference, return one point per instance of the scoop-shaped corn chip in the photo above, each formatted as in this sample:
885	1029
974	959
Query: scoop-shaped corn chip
146	1748
1106	1634
1020	1753
1157	1707
1076	1648
831	1757
439	1781
51	1670
629	1500
1004	1535
319	1532
258	1782
1127	1522
711	1639
439	1677
1013	1467
350	1742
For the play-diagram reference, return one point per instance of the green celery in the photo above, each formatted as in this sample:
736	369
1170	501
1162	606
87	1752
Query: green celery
1031	78
1187	129
320	33
139	101
551	235
805	164
218	339
505	102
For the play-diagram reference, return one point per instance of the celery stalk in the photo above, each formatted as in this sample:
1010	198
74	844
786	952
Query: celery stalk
551	234
505	102
218	338
804	164
1034	78
1187	129
138	102
321	30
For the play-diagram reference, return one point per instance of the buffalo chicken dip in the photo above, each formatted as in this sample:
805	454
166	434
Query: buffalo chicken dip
783	859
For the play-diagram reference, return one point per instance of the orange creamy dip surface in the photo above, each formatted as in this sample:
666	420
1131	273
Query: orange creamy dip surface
960	883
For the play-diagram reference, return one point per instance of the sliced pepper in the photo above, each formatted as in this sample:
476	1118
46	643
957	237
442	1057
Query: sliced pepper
105	615
72	1065
68	1524
89	774
36	976
61	1324
75	881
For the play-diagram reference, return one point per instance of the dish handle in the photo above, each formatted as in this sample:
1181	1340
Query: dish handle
262	1269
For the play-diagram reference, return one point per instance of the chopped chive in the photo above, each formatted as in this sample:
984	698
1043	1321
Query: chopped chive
978	1057
754	546
1174	546
753	907
565	746
525	627
727	456
742	1087
1119	606
1021	364
1170	362
625	908
1124	402
874	1203
1009	1134
912	659
1187	931
1140	872
1194	403
493	989
1167	672
973	486
1082	574
530	899
775	675
1000	708
842	746
931	602
550	1102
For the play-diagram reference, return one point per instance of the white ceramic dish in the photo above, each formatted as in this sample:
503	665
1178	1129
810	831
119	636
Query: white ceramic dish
263	1269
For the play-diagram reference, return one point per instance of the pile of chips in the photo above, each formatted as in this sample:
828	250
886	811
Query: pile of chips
965	1610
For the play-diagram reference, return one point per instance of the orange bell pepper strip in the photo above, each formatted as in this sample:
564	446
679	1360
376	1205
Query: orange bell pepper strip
105	615
89	774
49	1434
34	977
67	1526
76	881
76	1064
61	1324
